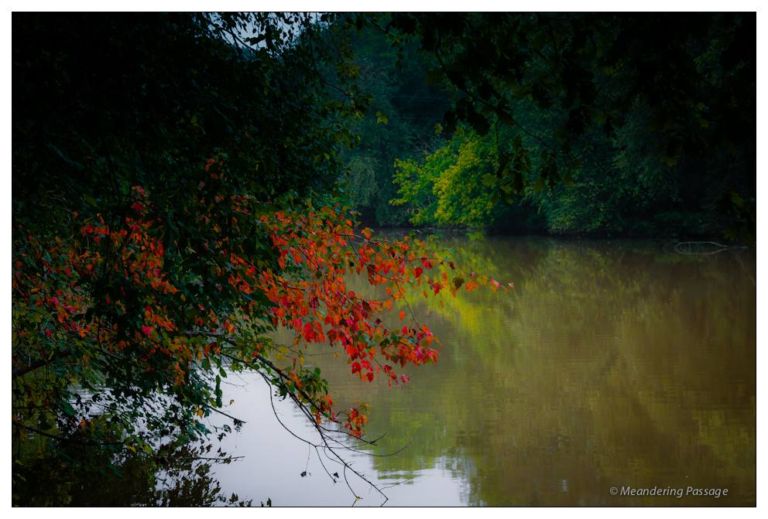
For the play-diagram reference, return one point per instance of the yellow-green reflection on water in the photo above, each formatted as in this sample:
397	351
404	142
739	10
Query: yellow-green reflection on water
609	364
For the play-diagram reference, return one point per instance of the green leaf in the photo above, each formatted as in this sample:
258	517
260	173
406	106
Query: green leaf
68	409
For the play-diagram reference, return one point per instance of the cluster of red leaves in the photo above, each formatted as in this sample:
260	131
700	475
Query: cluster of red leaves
316	252
60	279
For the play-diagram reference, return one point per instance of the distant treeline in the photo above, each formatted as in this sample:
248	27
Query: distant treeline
600	124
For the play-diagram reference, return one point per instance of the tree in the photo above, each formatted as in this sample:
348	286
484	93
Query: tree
627	123
164	173
399	122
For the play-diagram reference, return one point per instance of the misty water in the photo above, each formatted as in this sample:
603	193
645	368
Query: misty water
610	364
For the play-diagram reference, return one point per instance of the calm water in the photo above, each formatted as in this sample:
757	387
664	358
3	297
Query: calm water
611	364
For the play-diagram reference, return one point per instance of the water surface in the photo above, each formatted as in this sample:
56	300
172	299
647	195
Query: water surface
610	364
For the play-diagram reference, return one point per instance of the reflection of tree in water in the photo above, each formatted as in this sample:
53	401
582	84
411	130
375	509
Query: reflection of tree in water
75	473
607	362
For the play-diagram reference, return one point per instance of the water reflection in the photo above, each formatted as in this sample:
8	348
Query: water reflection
274	461
610	364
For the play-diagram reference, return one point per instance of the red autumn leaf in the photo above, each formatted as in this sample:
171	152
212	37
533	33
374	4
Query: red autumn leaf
308	332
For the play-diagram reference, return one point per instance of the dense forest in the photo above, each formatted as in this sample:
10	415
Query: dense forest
183	184
608	125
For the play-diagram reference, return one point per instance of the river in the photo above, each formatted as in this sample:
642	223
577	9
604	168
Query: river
610	364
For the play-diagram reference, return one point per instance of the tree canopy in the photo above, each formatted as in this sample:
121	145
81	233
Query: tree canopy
608	124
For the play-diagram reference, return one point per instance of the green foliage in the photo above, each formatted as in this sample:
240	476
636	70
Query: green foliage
604	123
455	185
398	122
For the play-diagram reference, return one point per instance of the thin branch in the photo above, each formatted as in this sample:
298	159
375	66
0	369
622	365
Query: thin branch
324	439
18	372
215	410
61	438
